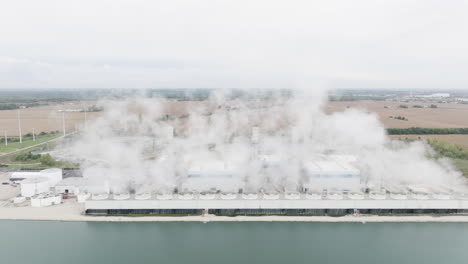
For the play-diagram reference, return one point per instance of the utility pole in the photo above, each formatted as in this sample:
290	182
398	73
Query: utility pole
85	118
63	124
6	139
19	127
34	134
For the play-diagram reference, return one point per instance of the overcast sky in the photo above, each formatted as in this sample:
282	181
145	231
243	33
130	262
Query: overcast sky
227	44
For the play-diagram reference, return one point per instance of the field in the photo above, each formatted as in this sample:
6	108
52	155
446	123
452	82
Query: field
461	140
446	115
42	119
26	143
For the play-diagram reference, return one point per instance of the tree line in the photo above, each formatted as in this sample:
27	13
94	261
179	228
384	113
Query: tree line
427	131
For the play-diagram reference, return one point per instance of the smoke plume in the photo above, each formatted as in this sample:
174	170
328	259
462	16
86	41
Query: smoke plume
147	144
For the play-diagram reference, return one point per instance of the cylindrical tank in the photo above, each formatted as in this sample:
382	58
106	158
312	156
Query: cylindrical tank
121	196
47	201
36	201
356	195
100	196
228	196
19	199
142	196
313	195
249	196
57	199
82	197
31	187
185	196
54	175
164	196
271	196
292	195
207	196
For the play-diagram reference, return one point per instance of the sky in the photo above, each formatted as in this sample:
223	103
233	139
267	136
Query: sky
233	44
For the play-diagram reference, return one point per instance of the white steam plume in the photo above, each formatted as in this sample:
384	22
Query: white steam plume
132	144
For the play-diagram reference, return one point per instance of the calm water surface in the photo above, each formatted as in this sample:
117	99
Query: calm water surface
79	242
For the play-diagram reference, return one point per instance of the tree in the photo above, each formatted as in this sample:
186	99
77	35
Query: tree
47	160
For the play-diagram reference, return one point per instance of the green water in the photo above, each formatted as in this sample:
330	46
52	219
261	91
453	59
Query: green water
80	242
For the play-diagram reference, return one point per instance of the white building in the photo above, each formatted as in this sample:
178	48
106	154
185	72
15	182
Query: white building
209	175
435	95
33	186
76	185
37	182
331	173
53	175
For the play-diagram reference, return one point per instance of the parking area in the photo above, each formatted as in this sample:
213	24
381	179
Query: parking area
7	191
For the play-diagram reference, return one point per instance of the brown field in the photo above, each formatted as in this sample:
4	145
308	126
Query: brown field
42	119
447	115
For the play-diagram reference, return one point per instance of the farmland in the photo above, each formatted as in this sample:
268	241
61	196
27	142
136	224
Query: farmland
446	115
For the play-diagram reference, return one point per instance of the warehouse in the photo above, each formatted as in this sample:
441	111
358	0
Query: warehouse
37	182
53	175
33	186
76	185
212	175
331	173
303	206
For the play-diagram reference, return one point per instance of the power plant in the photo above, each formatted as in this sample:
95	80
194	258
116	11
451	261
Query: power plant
243	160
328	187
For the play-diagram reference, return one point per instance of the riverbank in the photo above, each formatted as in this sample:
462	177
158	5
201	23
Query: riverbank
71	211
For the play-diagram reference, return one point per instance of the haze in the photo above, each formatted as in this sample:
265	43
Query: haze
233	44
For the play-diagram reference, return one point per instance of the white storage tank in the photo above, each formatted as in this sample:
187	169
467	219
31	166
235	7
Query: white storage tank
82	197
47	201
378	195
121	196
19	199
335	196
100	196
249	196
228	196
207	196
356	195
31	187
57	199
292	195
271	196
36	201
54	175
398	195
143	196
164	196
313	195
186	196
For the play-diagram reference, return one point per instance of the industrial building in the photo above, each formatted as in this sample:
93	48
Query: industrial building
303	205
76	185
34	183
212	175
53	175
34	186
331	173
331	185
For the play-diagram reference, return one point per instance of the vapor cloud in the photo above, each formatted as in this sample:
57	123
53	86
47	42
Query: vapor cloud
132	147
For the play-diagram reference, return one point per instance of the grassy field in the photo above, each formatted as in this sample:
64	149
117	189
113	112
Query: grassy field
26	143
460	140
461	165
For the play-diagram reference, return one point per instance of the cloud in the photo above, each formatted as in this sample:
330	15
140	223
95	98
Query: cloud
244	44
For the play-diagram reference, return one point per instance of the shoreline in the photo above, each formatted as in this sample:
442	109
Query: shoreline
72	212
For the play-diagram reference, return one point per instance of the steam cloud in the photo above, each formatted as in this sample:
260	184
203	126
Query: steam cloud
131	144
